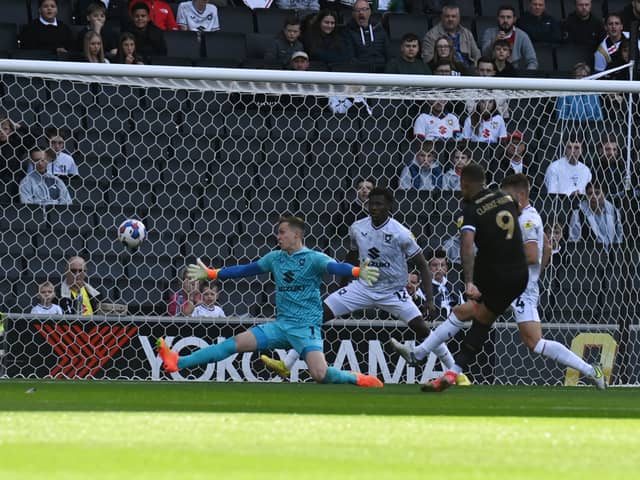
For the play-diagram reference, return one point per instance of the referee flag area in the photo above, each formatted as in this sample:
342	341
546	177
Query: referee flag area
159	430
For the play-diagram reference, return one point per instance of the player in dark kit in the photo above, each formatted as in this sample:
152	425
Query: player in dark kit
496	276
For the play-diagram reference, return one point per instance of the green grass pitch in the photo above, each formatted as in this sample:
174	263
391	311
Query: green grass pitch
164	430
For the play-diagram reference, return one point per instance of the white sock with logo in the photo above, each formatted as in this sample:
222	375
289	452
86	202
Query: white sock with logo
440	335
561	354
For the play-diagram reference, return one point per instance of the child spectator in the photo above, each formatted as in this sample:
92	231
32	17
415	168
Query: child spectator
96	18
160	13
424	172
485	124
286	43
40	187
208	307
410	60
45	304
92	49
501	54
198	16
127	50
437	123
47	32
451	179
149	38
445	68
323	41
63	164
182	302
443	53
299	61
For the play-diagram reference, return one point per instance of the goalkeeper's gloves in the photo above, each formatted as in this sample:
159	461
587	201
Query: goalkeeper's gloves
368	274
200	271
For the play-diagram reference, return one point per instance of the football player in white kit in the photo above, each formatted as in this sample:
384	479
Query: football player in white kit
388	245
525	308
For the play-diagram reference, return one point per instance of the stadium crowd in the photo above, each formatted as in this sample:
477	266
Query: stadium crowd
586	183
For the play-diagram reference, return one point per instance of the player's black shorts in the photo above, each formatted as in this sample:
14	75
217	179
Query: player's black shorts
500	287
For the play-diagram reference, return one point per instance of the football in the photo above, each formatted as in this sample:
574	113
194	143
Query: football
132	233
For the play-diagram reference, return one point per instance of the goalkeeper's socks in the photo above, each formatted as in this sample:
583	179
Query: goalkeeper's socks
561	354
210	354
334	375
442	334
291	358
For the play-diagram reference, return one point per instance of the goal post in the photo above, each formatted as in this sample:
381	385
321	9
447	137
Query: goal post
209	158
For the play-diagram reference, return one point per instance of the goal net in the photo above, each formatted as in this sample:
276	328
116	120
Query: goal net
209	159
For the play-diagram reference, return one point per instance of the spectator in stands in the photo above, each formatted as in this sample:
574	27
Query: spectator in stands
487	68
149	38
198	16
608	52
285	43
116	10
127	53
47	32
299	5
76	296
539	25
46	296
568	175
423	172
579	107
437	123
93	50
485	124
63	164
353	207
40	187
555	233
12	151
367	42
511	159
523	55
610	168
413	289
324	42
443	51
465	51
630	14
581	27
160	13
460	157
96	18
409	62
445	68
445	295
182	302
596	219
207	307
620	59
501	54
340	105
299	61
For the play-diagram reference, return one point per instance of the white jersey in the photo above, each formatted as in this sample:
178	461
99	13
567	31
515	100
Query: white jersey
52	309
430	127
64	164
388	247
205	311
190	17
532	231
489	131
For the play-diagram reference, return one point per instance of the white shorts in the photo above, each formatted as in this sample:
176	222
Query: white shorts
525	307
356	296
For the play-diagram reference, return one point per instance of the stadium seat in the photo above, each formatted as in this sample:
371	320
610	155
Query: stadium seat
171	61
489	8
258	44
145	170
184	171
166	220
335	127
22	54
129	195
331	152
401	23
271	20
274	202
142	298
230	174
236	20
294	152
210	124
185	44
240	150
208	245
29	218
72	219
568	55
247	123
318	173
481	24
221	221
143	268
226	198
58	244
8	37
178	196
270	175
544	53
614	6
63	113
15	11
17	243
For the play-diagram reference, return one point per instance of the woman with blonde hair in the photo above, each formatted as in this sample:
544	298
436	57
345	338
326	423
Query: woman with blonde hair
92	47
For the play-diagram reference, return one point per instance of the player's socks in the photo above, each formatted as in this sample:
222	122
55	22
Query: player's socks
212	353
442	334
291	358
561	354
444	355
334	375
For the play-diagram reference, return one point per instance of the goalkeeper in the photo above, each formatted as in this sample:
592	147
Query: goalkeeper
297	272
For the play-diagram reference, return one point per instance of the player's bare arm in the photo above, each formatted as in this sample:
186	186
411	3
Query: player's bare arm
531	252
467	255
546	253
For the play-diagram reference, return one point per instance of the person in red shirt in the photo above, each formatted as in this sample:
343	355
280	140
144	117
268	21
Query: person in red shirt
160	12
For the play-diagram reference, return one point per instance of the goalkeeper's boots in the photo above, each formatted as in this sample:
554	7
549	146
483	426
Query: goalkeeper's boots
276	366
598	380
406	352
440	384
462	380
169	358
368	381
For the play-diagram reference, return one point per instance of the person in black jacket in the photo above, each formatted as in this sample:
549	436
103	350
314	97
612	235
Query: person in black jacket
149	38
47	32
581	27
368	42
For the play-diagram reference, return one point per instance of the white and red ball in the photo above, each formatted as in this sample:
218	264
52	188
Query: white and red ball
132	233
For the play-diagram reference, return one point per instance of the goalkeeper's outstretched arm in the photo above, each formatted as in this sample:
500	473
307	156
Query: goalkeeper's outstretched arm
199	271
364	271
